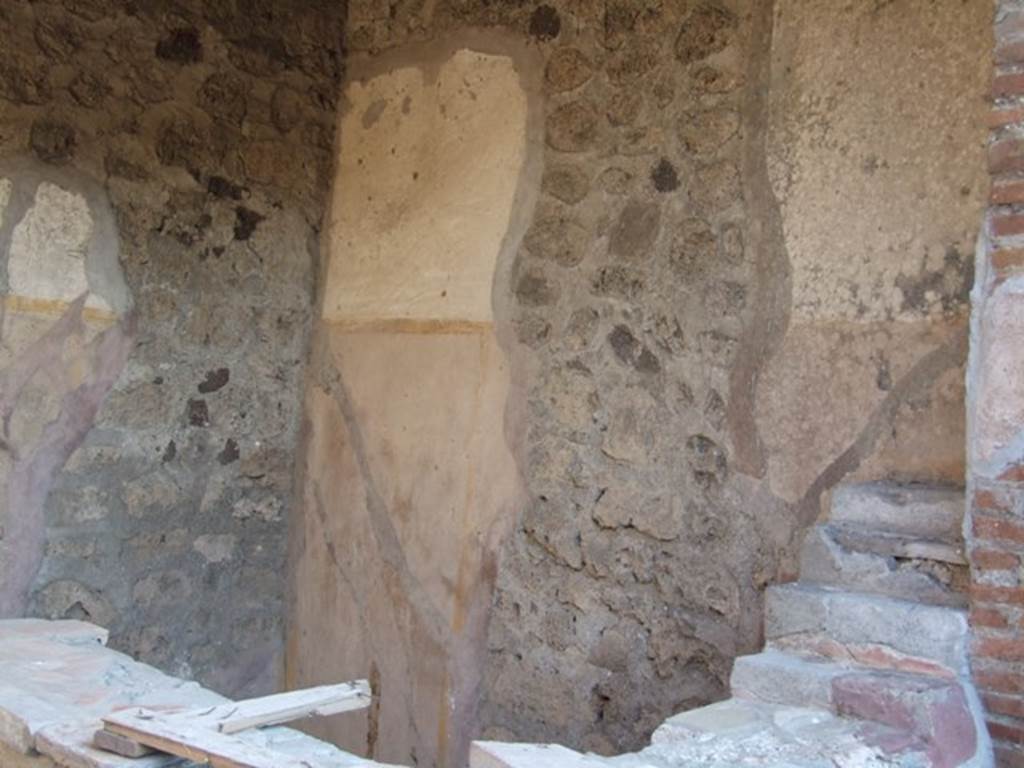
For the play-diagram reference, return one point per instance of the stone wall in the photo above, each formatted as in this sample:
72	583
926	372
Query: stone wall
994	528
164	168
743	282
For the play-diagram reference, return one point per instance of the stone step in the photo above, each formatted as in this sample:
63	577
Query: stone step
867	629
899	545
887	564
775	677
920	511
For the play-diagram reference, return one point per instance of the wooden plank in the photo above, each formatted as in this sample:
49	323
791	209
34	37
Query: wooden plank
238	716
279	708
200	745
71	746
119	745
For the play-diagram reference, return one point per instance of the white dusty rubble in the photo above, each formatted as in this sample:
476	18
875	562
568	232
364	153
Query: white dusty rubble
729	734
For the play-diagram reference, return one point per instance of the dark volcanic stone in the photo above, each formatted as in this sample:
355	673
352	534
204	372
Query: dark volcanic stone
630	351
664	177
214	381
545	23
198	413
182	46
229	453
706	31
220	187
246	222
170	452
53	141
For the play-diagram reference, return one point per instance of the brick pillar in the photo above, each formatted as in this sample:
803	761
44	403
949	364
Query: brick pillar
994	524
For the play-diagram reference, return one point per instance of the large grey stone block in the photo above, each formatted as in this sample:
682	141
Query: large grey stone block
784	678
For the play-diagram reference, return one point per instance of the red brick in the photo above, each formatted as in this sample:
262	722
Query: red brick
1014	733
1009	756
1007	595
1010	52
999	118
993	560
999	682
1014	474
1007	260
994	529
1006	154
1009	706
990	499
1005	192
989	617
1008	84
1004	648
1008	225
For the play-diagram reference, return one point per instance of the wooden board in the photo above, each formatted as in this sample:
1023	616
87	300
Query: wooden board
205	734
279	708
200	745
119	745
71	746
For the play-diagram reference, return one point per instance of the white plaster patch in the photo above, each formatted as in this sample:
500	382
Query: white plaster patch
49	246
215	547
423	197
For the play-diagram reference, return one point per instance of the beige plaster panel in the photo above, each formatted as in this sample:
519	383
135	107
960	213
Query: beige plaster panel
876	150
404	496
820	390
428	168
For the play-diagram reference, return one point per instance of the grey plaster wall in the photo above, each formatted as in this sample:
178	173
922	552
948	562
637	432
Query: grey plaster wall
204	131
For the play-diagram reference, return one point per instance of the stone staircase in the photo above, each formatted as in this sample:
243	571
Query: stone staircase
866	656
